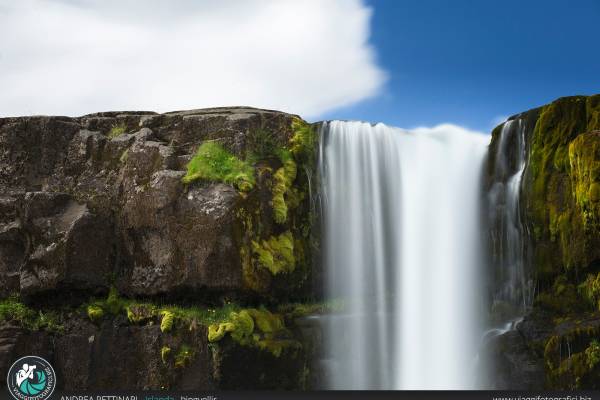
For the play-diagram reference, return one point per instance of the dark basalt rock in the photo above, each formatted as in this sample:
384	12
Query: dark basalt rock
116	355
97	202
54	242
514	365
83	208
163	228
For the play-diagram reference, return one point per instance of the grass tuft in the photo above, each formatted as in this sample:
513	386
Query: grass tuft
117	130
12	309
214	163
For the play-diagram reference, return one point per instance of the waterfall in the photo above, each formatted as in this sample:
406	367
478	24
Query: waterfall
513	292
402	253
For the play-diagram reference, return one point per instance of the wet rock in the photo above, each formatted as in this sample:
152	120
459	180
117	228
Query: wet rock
515	365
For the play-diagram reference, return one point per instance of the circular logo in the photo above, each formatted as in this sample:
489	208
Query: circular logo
31	378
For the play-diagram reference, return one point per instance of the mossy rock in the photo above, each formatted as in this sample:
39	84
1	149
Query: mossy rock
257	328
283	180
95	312
276	254
213	162
584	157
167	321
140	313
590	290
560	192
277	221
572	354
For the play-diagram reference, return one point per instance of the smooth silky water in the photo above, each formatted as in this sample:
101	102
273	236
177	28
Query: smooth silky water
403	252
511	285
514	289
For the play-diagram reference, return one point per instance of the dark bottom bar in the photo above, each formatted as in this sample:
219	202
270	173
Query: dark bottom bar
370	395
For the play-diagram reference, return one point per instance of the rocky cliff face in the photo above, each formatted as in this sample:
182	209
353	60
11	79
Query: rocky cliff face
183	245
557	345
179	245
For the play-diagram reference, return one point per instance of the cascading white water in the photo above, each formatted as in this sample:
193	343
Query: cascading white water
402	251
514	288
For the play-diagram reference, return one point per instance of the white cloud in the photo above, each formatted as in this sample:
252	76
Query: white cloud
73	57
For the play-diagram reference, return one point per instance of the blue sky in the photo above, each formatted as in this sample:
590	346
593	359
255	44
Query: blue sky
470	62
406	63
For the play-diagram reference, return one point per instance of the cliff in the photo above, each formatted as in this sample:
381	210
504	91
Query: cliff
176	246
182	246
557	345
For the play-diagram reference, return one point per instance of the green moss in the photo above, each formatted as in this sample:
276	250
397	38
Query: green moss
256	328
563	167
214	163
271	259
561	159
165	351
184	357
584	155
572	355
592	107
558	123
550	350
276	254
117	130
590	290
12	309
95	312
217	331
266	321
563	297
283	180
571	370
592	354
168	315
576	370
138	313
303	141
201	314
114	303
166	322
244	326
